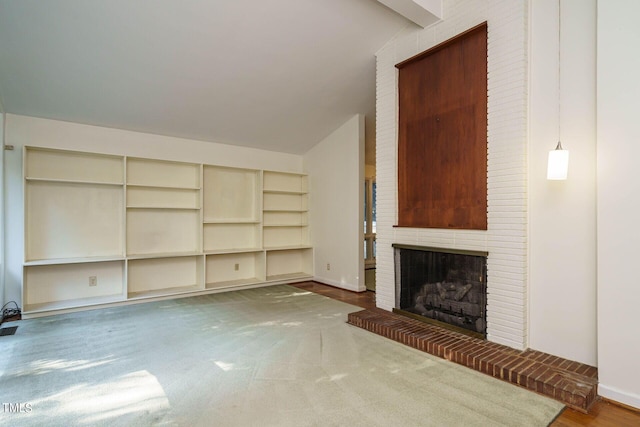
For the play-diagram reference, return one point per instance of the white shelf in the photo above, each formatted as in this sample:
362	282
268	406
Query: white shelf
80	260
286	210
74	303
164	292
284	192
284	225
233	283
231	221
163	187
289	276
169	208
162	255
286	248
233	251
74	181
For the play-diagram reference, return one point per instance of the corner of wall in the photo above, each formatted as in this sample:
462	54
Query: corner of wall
562	247
2	239
336	174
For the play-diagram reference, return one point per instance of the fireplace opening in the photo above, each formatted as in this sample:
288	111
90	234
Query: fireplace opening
441	285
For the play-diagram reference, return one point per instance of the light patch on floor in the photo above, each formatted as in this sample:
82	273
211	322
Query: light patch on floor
122	398
40	367
267	356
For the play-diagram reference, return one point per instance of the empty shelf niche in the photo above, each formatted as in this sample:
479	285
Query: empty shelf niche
62	165
51	287
162	231
284	182
161	173
221	237
275	219
289	264
285	236
163	198
164	276
279	202
230	194
237	269
72	220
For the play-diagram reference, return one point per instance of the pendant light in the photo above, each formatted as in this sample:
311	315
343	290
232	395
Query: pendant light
558	162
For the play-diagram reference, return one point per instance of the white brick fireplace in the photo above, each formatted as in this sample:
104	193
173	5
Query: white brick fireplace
506	237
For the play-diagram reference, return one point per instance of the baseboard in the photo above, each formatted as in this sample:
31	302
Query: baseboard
341	285
618	396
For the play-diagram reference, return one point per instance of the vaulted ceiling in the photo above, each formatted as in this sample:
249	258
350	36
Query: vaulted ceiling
278	75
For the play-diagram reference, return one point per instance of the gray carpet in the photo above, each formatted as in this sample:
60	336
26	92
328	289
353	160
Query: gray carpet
275	356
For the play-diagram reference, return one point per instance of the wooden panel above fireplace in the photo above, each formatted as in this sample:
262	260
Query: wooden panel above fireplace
442	135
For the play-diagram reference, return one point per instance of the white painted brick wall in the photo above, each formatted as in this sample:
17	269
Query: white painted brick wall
506	237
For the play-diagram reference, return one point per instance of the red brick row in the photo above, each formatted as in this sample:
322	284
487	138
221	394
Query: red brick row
570	382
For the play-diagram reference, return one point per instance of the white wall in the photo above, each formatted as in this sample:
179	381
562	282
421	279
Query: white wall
2	240
562	214
336	172
618	200
22	130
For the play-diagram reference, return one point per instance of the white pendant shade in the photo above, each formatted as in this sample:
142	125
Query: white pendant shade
558	164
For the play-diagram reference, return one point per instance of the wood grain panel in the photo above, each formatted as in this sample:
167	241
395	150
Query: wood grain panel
442	136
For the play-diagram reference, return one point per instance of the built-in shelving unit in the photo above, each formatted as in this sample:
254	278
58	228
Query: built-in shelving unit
102	229
84	193
163	207
58	286
284	264
233	269
147	277
285	226
231	211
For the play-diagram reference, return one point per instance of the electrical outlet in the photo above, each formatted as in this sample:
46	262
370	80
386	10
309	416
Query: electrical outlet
93	280
328	266
237	267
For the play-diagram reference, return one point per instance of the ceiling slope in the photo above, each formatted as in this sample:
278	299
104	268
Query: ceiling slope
278	75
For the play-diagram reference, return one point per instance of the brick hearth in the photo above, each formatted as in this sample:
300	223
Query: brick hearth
571	383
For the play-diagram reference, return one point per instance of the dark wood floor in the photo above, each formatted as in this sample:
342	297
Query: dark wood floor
602	414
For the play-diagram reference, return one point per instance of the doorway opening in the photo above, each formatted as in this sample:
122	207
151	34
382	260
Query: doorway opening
370	233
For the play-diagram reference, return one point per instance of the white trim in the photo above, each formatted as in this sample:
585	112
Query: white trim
618	395
2	204
341	285
420	12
